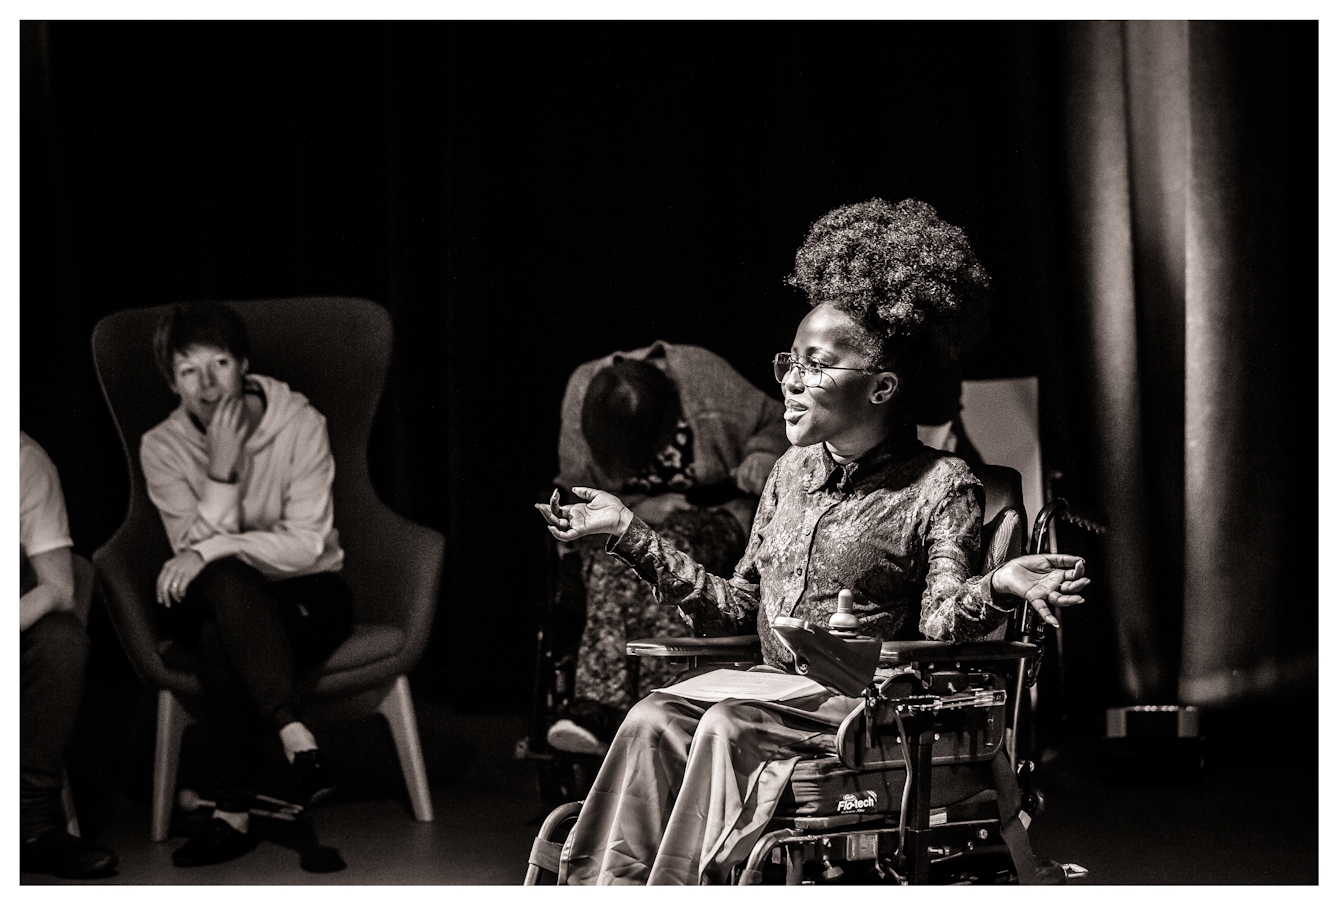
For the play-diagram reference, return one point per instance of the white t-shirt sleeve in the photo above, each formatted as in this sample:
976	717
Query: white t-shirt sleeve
43	523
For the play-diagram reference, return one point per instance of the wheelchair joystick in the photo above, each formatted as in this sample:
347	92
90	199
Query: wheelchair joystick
838	656
844	623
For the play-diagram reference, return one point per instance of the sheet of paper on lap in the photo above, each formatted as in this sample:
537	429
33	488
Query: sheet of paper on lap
720	684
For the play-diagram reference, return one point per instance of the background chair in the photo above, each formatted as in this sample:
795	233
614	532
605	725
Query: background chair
1001	419
336	352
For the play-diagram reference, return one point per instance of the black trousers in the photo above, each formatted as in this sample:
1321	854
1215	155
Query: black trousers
53	654
251	636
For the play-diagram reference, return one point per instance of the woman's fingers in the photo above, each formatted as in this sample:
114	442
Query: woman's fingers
1058	578
165	579
1044	611
553	520
1044	562
585	493
566	534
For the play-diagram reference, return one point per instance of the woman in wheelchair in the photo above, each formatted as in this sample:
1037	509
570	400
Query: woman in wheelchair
241	473
687	443
857	503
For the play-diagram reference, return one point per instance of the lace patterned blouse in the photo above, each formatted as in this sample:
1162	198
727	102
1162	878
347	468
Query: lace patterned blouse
900	528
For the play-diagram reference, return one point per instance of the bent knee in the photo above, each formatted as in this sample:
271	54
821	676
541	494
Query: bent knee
225	576
652	715
729	719
57	638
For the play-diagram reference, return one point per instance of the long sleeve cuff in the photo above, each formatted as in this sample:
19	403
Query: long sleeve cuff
216	547
997	607
219	504
634	543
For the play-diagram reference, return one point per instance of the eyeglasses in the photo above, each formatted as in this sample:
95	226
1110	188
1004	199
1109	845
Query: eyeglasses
809	371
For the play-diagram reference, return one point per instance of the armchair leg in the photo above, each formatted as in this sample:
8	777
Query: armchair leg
397	708
67	805
172	722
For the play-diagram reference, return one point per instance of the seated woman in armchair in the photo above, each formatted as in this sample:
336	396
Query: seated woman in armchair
857	502
241	473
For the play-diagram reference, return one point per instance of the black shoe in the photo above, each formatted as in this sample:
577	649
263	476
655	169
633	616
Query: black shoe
58	853
219	841
312	777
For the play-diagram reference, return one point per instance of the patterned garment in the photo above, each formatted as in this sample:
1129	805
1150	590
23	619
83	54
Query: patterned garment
621	607
671	471
900	528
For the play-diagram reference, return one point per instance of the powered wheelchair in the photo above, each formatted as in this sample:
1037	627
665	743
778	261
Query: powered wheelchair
930	782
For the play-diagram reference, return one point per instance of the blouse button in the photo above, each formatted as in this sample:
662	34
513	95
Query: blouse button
807	531
799	570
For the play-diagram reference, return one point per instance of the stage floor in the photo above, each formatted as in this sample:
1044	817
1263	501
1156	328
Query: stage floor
1242	822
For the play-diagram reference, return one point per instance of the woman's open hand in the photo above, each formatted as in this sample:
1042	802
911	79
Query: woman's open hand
601	513
1043	580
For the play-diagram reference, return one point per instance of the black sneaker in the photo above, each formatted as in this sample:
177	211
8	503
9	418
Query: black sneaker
58	853
312	778
219	841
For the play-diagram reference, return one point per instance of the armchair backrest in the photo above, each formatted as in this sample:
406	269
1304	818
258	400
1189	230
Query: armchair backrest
336	352
83	586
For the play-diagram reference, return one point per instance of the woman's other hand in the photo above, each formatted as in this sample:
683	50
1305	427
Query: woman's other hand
225	437
601	513
176	575
752	473
1043	580
654	510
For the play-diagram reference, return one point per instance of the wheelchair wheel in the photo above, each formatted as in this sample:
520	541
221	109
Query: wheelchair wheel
546	853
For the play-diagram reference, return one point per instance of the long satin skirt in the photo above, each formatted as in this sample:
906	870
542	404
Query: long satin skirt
687	788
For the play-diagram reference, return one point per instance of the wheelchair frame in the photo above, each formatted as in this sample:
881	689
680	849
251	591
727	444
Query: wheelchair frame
922	845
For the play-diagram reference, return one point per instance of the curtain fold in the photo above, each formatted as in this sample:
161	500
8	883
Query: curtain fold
1097	112
1251	620
1190	149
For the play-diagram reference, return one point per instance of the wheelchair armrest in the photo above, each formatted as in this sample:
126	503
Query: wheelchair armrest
725	648
898	653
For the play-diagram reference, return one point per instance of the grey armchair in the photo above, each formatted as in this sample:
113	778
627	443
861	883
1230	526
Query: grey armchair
336	351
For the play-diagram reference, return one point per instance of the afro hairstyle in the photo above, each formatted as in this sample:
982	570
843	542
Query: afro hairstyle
907	277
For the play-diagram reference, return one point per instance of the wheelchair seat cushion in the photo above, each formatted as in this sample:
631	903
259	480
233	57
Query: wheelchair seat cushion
824	787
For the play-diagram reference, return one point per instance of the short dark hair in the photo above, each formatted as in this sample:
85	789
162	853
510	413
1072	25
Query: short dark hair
629	411
198	324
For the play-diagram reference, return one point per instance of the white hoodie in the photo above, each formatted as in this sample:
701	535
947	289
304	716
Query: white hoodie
278	516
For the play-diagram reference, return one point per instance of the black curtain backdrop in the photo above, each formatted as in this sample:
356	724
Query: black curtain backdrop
522	197
1194	159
